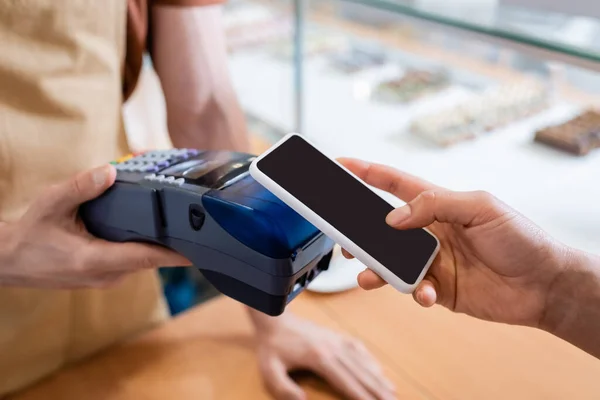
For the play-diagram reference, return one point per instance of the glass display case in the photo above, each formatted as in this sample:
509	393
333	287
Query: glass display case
494	95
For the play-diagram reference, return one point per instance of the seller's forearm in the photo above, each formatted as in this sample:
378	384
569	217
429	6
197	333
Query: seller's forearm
262	322
190	57
573	304
215	125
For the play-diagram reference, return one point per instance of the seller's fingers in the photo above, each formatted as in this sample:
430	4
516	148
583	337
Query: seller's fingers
131	256
369	280
66	197
360	355
347	255
426	294
464	208
338	376
372	383
402	185
279	383
106	280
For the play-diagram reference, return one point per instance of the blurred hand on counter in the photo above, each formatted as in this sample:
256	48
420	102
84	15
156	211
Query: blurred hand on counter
494	264
289	343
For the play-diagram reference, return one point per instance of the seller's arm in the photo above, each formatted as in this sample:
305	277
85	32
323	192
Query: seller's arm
189	54
190	58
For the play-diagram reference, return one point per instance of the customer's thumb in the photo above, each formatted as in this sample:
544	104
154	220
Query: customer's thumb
463	208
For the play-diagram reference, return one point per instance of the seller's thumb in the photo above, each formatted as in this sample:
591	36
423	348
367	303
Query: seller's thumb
463	208
85	186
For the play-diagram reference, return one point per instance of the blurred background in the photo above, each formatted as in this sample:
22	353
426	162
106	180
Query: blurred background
498	95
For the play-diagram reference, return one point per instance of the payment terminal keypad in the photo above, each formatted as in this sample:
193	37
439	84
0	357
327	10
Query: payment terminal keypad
149	164
177	167
153	161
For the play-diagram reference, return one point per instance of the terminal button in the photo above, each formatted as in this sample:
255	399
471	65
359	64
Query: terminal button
196	217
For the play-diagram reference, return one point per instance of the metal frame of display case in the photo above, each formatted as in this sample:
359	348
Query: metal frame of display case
299	18
499	31
539	47
579	7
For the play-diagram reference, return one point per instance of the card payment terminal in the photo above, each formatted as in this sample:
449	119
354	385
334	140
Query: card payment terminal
206	206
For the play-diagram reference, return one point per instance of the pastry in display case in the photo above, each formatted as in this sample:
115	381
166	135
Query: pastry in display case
411	86
495	108
578	136
358	58
248	25
317	42
258	34
446	128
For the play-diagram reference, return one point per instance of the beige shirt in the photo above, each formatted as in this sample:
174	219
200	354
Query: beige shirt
61	65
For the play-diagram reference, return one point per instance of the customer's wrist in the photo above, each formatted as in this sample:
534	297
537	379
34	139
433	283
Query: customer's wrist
575	285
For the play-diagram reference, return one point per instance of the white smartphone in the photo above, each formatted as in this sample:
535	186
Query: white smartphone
344	208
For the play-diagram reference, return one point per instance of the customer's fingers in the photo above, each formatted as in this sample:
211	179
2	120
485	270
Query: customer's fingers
369	280
426	293
402	185
463	208
347	255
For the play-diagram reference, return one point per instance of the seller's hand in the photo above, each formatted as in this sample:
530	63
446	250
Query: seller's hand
494	264
49	246
289	343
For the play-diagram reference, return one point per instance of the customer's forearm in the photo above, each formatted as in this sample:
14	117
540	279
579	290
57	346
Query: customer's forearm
573	304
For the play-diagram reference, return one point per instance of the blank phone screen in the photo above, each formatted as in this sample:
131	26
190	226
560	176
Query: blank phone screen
349	206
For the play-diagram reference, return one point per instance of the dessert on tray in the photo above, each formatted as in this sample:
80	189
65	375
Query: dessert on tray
358	58
411	86
578	136
258	34
492	109
316	43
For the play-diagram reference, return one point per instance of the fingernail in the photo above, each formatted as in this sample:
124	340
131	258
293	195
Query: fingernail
359	163
398	216
362	164
429	293
426	296
100	175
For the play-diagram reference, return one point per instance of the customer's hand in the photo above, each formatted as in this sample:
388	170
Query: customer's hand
49	246
288	343
494	264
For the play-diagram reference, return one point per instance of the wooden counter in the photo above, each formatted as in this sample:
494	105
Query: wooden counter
207	353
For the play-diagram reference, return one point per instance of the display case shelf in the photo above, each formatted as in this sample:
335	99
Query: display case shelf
306	82
567	38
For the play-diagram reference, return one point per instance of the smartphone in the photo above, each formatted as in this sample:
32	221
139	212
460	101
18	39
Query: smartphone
346	209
